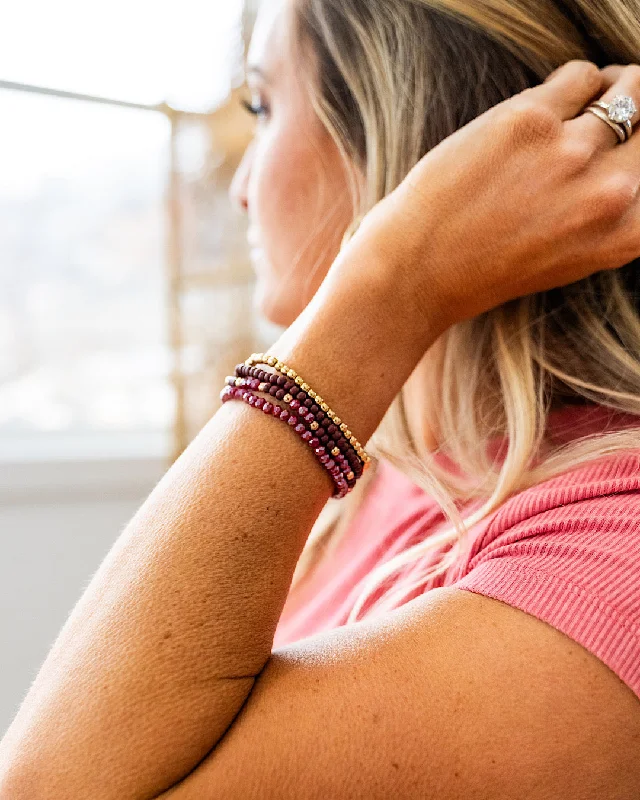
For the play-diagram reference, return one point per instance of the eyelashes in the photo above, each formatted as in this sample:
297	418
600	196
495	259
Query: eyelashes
255	110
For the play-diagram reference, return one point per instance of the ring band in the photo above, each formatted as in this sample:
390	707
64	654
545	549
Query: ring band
620	132
617	114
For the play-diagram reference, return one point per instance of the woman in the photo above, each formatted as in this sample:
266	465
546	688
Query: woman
163	682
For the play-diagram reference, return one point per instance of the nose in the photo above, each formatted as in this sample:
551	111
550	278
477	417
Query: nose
238	193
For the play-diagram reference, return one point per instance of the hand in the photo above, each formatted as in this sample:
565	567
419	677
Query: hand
531	195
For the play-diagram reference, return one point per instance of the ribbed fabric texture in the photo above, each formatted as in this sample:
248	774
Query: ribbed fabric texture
566	551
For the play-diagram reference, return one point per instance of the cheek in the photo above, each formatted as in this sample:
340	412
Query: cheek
285	191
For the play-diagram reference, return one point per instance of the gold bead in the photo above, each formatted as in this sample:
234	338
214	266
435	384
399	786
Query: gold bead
291	373
353	440
287	398
337	421
314	426
343	427
278	365
305	387
271	361
324	407
263	387
312	394
350	476
238	381
347	434
299	380
335	451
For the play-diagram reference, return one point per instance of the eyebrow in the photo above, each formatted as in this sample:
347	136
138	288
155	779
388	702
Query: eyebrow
254	69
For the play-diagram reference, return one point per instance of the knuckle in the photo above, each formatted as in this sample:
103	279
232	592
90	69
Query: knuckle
616	195
588	72
532	122
577	153
633	71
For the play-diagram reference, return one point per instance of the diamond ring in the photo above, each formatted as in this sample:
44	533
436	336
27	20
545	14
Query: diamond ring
618	114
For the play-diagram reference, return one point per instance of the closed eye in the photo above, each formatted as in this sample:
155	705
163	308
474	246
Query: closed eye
256	110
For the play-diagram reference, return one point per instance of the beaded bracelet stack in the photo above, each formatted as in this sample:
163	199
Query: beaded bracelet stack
331	441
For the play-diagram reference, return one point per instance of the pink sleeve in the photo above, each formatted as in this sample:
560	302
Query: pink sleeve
576	567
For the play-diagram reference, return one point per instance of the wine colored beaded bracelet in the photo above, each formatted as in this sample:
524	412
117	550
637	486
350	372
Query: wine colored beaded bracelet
272	361
308	415
342	487
287	390
280	388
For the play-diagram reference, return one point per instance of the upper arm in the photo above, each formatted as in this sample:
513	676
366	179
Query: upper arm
453	695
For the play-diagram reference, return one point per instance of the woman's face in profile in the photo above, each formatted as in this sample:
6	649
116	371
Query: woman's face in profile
291	181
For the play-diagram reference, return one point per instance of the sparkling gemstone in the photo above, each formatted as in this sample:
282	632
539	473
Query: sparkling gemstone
621	108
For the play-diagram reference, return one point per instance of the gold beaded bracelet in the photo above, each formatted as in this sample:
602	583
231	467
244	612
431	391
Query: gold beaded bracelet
272	361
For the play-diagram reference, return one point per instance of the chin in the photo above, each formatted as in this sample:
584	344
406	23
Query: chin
273	305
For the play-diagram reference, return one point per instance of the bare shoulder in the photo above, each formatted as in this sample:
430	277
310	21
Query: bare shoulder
454	695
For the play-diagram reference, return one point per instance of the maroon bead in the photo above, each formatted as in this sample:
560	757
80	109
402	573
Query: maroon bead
281	380
308	402
320	451
309	418
276	411
284	414
273	391
299	429
280	394
294	404
301	411
259	402
315	442
293	389
267	408
324	458
302	396
330	464
292	420
307	435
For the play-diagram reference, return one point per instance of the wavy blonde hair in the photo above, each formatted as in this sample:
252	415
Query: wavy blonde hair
391	79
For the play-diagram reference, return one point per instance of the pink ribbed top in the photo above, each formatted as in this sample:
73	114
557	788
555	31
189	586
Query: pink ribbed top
566	551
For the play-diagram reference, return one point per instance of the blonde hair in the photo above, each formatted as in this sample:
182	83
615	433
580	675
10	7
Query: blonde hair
392	79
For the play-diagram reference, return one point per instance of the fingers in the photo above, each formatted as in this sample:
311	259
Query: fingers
618	79
571	87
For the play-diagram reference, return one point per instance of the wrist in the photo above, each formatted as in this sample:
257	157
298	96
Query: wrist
360	337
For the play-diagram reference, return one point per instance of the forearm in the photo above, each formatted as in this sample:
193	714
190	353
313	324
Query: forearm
162	649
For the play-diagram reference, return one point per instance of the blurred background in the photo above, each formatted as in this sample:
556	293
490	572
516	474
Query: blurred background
125	281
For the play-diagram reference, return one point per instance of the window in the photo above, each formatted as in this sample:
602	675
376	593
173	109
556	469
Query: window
86	355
